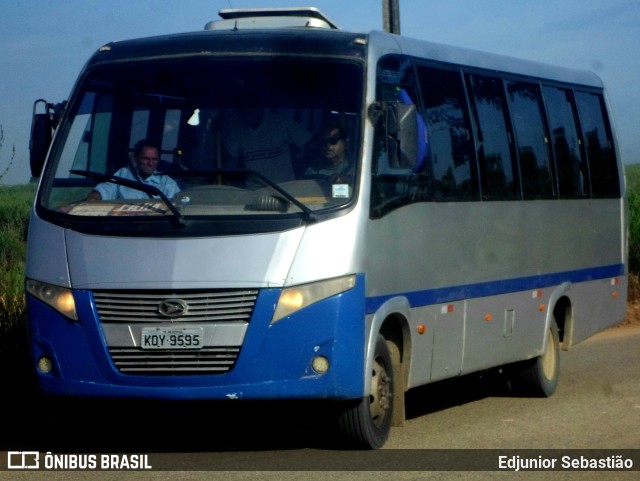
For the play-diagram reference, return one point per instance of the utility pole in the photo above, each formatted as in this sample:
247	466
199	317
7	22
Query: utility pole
391	16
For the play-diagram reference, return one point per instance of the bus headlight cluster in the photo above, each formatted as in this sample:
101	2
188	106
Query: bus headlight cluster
60	298
293	299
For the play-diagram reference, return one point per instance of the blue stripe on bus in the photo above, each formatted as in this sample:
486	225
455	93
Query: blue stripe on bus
493	288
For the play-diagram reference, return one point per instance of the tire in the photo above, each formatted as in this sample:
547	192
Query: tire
366	423
539	377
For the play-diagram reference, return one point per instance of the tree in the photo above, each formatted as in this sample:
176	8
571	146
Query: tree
13	155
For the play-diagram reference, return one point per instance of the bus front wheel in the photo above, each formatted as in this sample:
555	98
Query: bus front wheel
366	423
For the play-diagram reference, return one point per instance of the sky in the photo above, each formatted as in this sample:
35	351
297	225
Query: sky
45	43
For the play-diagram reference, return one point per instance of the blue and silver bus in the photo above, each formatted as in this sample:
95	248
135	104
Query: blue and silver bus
478	223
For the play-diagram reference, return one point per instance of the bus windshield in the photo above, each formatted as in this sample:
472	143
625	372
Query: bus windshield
208	137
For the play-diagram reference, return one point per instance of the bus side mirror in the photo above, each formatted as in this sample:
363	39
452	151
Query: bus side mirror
40	141
402	135
42	126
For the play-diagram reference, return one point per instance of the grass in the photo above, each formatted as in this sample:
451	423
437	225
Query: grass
633	187
632	173
15	203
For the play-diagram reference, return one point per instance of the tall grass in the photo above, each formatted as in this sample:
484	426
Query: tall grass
633	188
15	203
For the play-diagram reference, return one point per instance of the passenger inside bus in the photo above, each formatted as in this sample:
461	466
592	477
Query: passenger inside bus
265	141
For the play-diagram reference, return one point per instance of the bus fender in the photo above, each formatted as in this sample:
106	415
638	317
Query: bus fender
561	291
398	306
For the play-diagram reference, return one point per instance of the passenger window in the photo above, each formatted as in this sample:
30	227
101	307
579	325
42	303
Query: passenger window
531	140
171	130
393	185
451	158
139	125
497	175
571	169
603	170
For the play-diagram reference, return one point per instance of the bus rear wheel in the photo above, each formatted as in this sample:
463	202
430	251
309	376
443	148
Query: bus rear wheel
539	377
366	423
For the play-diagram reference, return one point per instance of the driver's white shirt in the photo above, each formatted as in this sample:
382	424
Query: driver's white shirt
109	191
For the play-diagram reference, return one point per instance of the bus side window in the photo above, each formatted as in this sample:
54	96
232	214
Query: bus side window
570	167
393	184
452	160
598	140
531	140
497	173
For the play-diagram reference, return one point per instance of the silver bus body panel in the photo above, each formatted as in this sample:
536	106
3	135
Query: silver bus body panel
261	260
47	263
298	256
527	241
329	249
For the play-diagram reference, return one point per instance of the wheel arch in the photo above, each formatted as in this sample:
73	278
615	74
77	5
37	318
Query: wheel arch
563	316
392	322
561	313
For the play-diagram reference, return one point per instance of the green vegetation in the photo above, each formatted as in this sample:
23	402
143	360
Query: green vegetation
15	203
633	188
13	155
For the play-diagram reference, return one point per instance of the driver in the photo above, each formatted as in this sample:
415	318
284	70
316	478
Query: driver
147	157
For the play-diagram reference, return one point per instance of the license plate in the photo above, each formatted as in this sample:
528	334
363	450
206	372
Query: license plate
171	338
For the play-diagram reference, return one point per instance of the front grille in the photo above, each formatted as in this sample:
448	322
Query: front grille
209	360
121	311
209	306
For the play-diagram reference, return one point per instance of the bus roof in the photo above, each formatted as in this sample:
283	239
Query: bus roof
307	23
460	56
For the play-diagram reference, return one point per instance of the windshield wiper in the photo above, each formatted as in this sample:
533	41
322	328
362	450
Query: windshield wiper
271	200
147	189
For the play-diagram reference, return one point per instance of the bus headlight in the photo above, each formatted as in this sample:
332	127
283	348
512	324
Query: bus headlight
293	299
60	298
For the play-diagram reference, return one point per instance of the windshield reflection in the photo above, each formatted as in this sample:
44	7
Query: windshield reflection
209	138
